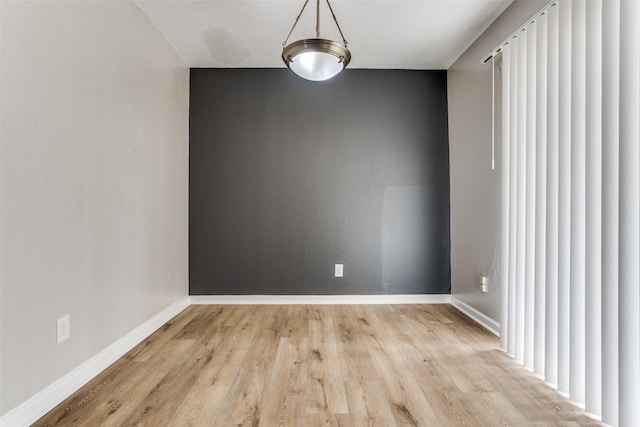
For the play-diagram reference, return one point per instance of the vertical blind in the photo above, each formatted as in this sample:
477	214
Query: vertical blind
571	203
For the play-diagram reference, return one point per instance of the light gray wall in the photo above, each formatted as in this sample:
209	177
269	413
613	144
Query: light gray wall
475	188
94	158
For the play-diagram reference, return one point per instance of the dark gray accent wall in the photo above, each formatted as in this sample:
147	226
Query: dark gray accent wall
289	177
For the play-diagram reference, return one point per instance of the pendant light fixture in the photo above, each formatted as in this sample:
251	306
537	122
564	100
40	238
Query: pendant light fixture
316	59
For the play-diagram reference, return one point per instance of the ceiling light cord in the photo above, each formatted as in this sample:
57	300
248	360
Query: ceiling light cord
344	41
295	23
318	19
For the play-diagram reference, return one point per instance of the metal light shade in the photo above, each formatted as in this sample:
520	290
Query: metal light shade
316	59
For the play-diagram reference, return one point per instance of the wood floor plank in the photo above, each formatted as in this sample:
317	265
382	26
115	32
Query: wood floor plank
368	404
326	392
559	424
156	341
163	400
494	408
117	405
202	322
328	420
435	388
317	365
234	344
200	406
241	408
286	384
351	346
408	404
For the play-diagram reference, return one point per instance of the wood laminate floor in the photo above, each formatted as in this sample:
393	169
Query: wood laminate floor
305	365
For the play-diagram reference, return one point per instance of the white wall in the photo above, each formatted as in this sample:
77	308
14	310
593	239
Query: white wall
475	188
94	162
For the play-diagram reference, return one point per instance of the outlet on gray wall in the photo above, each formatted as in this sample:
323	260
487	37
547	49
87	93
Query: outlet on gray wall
287	176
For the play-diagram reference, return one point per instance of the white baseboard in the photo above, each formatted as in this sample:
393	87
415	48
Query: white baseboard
38	405
321	299
577	404
485	321
593	416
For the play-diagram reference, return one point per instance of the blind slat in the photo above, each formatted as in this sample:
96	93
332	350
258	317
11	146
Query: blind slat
530	204
578	112
564	194
551	276
541	195
505	171
521	170
513	192
593	215
629	242
610	201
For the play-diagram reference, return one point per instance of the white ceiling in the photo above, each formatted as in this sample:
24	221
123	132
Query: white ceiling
395	34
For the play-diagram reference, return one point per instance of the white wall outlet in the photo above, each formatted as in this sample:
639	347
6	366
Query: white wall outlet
484	283
339	271
63	328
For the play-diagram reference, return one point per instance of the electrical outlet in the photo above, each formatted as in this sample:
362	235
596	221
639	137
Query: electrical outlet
339	271
63	329
484	283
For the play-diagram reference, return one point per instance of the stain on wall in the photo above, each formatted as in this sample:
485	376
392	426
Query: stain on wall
289	177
